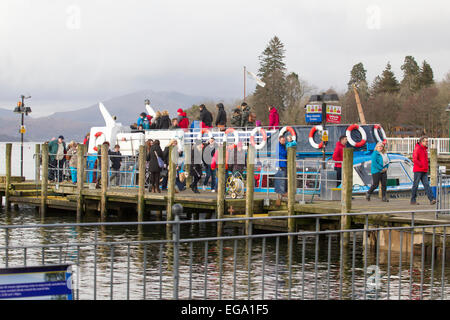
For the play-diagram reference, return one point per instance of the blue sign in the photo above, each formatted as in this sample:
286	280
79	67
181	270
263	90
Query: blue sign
41	282
313	117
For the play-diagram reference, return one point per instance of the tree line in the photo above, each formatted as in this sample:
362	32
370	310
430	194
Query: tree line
413	106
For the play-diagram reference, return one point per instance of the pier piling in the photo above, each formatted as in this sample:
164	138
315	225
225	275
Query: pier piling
104	180
173	159
8	175
44	180
80	180
37	162
141	191
346	194
221	187
292	185
249	196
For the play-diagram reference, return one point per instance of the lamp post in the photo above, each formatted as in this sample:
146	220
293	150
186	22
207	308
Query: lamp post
23	111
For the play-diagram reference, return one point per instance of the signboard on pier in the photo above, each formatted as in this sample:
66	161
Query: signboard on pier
334	114
313	113
50	282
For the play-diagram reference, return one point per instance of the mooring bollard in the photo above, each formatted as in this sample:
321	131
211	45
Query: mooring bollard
292	185
80	180
249	196
104	180
346	194
221	186
8	175
141	191
187	165
433	170
44	180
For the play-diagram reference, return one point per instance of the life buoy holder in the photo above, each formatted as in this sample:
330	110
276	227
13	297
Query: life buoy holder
291	130
264	138
98	135
311	137
352	142
377	135
235	134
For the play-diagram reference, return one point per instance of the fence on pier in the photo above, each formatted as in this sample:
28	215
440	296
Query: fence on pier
406	145
378	263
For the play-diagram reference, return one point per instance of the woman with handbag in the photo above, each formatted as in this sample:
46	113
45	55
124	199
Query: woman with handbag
154	157
380	165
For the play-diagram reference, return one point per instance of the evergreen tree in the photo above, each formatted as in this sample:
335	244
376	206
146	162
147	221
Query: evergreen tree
272	72
388	83
375	88
357	76
426	75
411	73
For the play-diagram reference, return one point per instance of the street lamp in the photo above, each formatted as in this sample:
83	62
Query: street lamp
23	110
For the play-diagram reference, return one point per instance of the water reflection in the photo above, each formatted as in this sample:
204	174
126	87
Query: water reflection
308	267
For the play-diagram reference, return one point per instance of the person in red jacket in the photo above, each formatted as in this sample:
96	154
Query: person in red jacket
338	155
420	159
274	119
183	123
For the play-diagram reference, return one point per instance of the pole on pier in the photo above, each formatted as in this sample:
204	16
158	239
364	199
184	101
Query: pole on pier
8	175
172	161
221	186
80	180
44	180
187	164
37	163
141	191
104	180
249	196
292	185
433	167
346	193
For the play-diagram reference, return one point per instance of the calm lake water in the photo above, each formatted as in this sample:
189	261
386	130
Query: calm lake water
139	269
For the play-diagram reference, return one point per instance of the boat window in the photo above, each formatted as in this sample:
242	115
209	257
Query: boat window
408	167
396	171
363	169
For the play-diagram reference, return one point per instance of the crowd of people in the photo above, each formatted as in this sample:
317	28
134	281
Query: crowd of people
242	117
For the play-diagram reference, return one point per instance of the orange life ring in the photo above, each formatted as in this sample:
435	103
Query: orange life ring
377	136
264	137
291	130
349	137
97	135
235	134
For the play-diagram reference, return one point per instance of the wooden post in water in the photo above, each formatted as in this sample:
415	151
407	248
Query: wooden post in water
292	185
171	181
141	191
221	186
44	180
37	163
104	180
187	164
346	193
80	180
8	175
249	196
433	167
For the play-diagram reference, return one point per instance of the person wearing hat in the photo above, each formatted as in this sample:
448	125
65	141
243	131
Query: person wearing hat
57	151
183	121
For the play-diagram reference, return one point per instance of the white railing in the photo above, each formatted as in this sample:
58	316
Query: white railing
406	145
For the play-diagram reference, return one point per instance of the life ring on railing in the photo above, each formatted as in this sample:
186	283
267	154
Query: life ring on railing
291	130
97	136
377	135
311	137
264	138
235	134
352	142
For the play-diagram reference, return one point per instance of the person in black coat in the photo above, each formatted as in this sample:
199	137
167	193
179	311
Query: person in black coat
221	120
165	121
205	117
153	167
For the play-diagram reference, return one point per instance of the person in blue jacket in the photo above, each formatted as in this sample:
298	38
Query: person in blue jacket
380	164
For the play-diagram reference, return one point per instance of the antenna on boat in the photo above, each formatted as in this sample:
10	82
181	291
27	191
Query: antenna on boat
109	120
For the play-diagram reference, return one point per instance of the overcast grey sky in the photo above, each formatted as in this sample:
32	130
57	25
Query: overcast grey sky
71	54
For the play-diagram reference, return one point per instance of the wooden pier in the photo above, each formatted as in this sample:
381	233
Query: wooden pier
79	198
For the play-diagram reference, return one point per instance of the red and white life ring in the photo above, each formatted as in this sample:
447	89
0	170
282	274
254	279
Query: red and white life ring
377	135
97	136
235	134
311	137
291	130
264	138
352	142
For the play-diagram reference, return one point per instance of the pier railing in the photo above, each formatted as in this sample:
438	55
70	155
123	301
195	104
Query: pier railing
377	263
406	145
